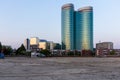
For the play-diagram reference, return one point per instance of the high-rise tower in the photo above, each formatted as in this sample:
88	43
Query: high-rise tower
77	28
84	28
68	27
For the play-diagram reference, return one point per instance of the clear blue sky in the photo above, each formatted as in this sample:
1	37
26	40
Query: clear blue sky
21	19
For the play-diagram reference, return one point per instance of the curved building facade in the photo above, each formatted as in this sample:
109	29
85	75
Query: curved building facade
85	28
77	28
67	26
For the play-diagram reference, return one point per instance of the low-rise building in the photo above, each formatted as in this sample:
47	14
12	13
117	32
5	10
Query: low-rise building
104	45
34	44
43	44
104	48
50	45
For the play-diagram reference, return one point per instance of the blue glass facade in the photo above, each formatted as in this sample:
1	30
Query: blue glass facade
84	29
78	31
77	28
68	27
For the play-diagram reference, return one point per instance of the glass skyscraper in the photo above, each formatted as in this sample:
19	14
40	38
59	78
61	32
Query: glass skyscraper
68	27
84	28
77	28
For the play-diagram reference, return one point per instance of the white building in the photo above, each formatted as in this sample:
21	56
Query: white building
43	44
34	43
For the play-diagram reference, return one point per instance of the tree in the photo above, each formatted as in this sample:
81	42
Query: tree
21	50
45	52
58	46
112	52
86	53
70	53
7	50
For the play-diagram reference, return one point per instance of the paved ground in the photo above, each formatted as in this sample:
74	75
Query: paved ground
21	68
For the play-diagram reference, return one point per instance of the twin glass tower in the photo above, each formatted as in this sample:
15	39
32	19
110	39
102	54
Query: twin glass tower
77	28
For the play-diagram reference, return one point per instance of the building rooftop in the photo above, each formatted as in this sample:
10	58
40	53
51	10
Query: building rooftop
43	40
69	5
86	8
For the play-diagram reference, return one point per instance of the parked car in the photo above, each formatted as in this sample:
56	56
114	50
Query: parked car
41	55
35	54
